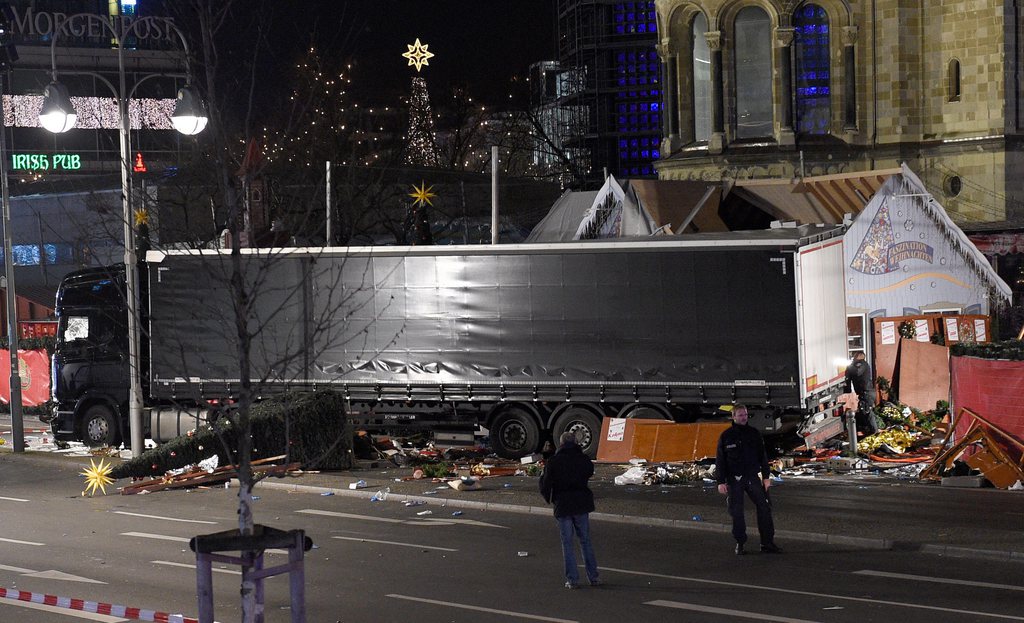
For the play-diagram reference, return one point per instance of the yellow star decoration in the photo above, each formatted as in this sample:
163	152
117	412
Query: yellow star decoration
97	477
422	194
141	217
418	54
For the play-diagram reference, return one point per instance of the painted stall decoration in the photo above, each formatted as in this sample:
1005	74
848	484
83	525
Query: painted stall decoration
905	256
34	370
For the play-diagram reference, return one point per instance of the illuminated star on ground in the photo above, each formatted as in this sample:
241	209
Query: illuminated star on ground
418	54
97	477
422	194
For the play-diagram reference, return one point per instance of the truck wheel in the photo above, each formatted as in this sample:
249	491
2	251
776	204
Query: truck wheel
99	427
644	412
585	424
514	434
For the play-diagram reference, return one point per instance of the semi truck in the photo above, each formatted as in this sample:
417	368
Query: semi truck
524	340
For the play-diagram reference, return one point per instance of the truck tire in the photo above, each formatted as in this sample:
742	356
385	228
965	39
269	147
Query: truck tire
99	427
514	433
585	423
645	412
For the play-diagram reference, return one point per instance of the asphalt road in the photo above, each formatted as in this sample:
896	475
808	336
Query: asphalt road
383	561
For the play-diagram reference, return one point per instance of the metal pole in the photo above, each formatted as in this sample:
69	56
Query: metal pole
330	239
494	194
131	272
17	422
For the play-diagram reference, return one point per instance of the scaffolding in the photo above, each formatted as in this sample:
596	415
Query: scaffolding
609	87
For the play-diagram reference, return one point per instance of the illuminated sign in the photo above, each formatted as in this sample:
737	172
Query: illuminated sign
46	162
28	22
139	166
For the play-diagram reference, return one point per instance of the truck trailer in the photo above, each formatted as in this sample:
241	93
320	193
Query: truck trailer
525	340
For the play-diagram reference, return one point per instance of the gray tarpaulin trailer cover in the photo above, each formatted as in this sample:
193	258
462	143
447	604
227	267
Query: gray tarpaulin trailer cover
660	326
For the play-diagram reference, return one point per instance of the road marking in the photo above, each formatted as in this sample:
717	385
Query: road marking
52	574
181	564
16	569
811	593
663	603
12	499
180	539
349	538
159	537
521	615
212	523
21	542
926	578
89	616
427	521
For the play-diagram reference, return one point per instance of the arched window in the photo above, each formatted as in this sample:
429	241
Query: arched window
701	80
953	80
753	73
813	71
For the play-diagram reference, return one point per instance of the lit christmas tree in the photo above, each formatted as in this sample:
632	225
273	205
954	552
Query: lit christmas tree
422	147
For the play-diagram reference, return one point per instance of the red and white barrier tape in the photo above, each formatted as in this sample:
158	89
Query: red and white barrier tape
94	606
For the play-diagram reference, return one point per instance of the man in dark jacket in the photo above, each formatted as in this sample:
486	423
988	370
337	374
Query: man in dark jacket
859	380
564	483
741	467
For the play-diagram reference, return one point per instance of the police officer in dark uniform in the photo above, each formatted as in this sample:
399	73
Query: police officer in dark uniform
860	381
741	467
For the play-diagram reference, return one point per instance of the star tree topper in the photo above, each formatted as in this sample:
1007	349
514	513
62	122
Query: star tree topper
97	477
422	194
418	54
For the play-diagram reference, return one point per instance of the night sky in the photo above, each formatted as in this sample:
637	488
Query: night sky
480	44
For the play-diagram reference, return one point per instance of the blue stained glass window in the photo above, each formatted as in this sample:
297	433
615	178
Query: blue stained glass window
623	142
655	106
25	254
813	70
655	154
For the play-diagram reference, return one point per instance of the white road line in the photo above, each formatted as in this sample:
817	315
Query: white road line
52	574
89	616
159	537
21	542
349	538
813	594
16	569
425	521
313	511
179	539
663	603
193	567
12	499
212	523
521	615
926	578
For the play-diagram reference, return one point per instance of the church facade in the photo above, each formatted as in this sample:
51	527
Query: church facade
782	89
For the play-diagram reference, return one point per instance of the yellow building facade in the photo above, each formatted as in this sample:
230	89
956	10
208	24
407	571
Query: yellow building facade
769	89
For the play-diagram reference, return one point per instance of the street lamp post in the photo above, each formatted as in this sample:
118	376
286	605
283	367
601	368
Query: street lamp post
189	117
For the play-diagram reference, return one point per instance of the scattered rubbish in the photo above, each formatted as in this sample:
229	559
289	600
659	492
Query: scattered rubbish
359	484
465	483
833	608
327	493
666	473
533	458
1017	486
456	513
524	554
637	461
255	497
697	518
417	474
414	502
430	492
422	513
507	485
194	477
381	495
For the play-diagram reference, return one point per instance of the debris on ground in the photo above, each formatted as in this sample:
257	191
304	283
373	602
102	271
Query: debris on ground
665	474
195	476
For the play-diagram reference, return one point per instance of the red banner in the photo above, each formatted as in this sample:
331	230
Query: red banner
34	370
992	388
